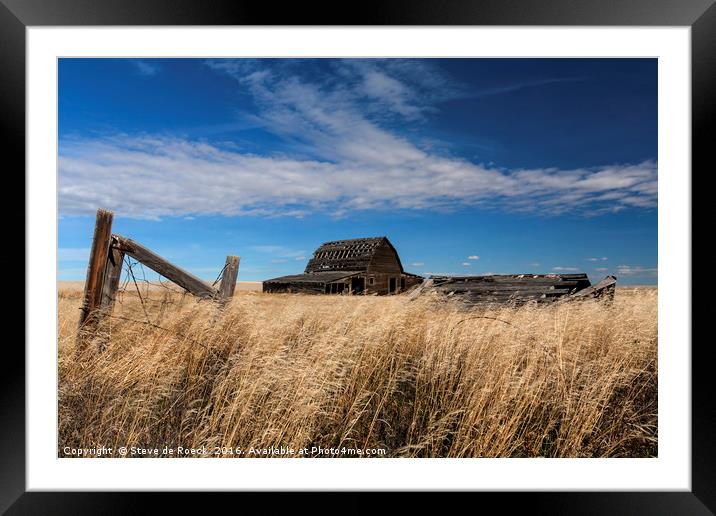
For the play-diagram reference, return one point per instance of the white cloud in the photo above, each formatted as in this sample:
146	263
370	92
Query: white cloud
601	269
592	259
534	264
144	67
155	176
565	269
338	156
417	264
381	86
466	264
637	271
473	257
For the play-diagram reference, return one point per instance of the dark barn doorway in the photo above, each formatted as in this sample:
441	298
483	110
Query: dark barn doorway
392	285
357	285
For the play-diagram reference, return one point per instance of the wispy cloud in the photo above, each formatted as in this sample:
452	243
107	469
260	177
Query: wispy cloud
466	264
565	269
144	67
592	259
473	257
637	271
516	86
340	154
154	176
417	264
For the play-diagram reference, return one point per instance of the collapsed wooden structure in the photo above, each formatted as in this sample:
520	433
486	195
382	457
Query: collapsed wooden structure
357	266
105	269
520	288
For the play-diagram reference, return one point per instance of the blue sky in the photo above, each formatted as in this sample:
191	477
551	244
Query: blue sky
469	166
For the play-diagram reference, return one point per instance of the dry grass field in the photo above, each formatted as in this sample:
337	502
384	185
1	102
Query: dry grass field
417	379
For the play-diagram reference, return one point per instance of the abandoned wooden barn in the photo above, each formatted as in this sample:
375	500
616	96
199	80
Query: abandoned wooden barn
358	266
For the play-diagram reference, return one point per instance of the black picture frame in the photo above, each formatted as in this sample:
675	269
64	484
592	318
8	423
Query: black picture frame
700	15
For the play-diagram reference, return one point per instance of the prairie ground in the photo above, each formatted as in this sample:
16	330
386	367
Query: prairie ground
422	378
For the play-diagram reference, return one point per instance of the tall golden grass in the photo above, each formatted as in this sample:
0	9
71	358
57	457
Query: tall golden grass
418	379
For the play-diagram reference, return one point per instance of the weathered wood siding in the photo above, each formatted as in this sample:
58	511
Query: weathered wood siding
385	260
296	287
381	282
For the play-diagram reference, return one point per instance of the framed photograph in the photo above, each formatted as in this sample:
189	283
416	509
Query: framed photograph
427	248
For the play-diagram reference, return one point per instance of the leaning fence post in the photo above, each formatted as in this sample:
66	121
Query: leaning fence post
228	278
105	268
112	275
92	300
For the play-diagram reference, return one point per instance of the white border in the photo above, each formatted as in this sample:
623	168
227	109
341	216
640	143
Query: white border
672	468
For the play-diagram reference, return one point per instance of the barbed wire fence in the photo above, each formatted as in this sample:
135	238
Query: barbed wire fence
115	273
155	298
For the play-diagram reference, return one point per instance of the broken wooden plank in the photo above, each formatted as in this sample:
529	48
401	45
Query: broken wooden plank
513	277
531	292
466	287
228	278
603	289
425	285
184	279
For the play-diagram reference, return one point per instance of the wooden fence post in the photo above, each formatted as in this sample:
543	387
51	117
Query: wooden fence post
111	277
105	269
228	278
96	273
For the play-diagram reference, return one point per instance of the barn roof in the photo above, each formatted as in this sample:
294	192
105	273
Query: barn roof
342	255
315	277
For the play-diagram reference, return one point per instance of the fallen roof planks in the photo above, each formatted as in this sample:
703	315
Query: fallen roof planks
519	288
603	289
